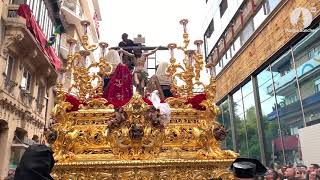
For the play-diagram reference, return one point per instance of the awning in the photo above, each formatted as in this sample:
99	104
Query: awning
289	142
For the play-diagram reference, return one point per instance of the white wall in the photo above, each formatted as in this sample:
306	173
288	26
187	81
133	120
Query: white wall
310	144
220	23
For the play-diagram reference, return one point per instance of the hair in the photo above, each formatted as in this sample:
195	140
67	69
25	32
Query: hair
315	166
124	35
113	57
137	53
275	174
161	70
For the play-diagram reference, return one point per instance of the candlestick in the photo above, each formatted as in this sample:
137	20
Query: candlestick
85	25
184	23
103	47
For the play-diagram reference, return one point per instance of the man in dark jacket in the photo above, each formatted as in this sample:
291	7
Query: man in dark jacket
36	163
127	43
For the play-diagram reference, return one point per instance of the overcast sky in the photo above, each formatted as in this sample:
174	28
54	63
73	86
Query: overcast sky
156	20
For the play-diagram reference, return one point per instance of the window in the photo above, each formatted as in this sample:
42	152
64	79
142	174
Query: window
224	119
17	2
260	17
210	29
247	32
236	45
223	7
291	99
312	53
317	85
272	4
26	80
218	68
9	68
40	97
226	58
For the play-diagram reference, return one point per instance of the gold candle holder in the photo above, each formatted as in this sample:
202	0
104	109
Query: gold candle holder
103	46
85	25
72	42
198	43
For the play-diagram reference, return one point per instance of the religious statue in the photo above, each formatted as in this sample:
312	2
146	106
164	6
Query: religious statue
155	118
119	117
140	75
136	132
220	132
120	85
161	81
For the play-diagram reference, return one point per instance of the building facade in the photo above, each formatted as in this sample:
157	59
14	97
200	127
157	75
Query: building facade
265	57
72	13
29	67
28	74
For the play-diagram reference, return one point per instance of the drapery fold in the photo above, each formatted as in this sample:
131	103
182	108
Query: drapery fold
31	23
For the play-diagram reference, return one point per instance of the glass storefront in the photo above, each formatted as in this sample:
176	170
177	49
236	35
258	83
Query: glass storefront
245	122
224	119
288	95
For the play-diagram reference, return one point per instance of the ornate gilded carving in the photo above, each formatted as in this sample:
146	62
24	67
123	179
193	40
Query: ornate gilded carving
193	64
132	142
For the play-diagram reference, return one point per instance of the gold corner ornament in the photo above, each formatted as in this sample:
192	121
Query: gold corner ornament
99	141
189	72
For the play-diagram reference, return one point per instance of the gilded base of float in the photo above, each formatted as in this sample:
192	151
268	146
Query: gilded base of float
144	169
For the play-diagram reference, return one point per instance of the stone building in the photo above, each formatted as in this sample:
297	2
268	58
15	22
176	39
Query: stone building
72	13
265	57
29	67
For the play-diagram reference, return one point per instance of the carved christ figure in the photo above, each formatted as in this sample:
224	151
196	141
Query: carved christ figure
140	75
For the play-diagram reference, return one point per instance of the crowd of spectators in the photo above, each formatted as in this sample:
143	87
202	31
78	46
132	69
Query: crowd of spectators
298	172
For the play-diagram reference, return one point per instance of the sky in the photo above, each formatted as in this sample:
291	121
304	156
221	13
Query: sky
156	20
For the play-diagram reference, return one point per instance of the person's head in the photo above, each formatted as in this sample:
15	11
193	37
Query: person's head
246	168
290	172
302	168
313	167
35	138
313	175
161	70
113	57
36	163
137	53
124	36
271	175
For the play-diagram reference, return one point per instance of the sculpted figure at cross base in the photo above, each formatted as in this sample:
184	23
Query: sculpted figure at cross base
140	74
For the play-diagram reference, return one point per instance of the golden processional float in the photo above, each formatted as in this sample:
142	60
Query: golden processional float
88	147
